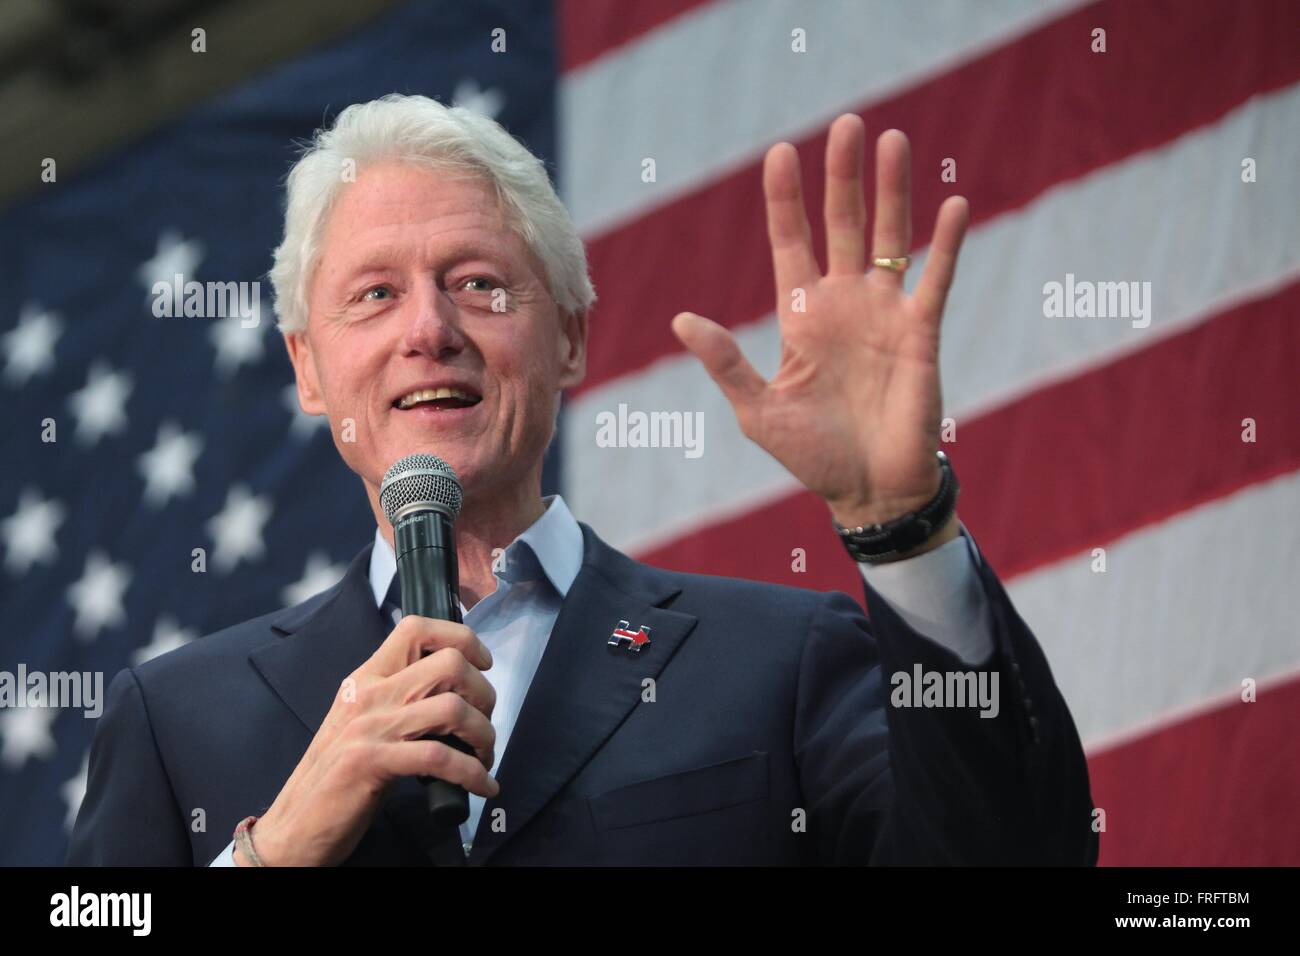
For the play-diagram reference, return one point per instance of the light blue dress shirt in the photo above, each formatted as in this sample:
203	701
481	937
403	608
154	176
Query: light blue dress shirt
938	594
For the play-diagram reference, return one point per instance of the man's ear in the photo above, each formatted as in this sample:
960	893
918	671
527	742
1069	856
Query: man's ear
310	396
573	348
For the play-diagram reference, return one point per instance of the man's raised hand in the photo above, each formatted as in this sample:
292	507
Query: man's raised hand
854	409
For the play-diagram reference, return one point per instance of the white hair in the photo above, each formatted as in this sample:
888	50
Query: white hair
422	131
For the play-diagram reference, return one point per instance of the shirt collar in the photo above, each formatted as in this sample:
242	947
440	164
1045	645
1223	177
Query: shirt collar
554	539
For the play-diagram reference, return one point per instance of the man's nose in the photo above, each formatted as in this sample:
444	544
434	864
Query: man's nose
433	323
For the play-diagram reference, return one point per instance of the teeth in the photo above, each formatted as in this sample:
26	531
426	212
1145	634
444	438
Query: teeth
430	394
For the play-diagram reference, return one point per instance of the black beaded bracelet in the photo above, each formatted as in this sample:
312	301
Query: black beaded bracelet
881	543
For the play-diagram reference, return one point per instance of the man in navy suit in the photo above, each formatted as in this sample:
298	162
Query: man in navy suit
615	713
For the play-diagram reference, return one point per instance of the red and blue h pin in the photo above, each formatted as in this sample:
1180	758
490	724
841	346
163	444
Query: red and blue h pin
624	638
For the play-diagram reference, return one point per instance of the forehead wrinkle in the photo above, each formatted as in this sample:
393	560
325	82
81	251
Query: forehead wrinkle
388	187
438	251
470	230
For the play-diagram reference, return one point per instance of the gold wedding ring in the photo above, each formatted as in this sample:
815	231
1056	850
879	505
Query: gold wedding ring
893	264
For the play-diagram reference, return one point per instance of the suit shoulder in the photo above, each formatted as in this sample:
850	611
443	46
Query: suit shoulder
763	598
710	595
230	644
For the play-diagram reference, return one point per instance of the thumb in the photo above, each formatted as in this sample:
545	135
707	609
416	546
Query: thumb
721	357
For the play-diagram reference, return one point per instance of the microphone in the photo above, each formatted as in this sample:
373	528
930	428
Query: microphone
421	497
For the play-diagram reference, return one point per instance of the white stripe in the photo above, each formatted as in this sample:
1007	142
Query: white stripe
694	96
1186	610
1165	720
1179	217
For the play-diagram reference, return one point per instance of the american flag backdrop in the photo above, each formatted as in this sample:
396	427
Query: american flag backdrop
1134	480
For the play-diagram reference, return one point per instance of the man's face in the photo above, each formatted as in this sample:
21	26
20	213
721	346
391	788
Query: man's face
401	304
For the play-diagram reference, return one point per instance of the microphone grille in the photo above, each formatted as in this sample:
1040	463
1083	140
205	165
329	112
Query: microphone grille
422	479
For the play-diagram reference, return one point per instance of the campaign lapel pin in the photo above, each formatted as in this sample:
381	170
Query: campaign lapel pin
627	639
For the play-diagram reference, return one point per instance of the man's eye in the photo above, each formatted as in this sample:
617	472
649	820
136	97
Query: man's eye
487	286
371	294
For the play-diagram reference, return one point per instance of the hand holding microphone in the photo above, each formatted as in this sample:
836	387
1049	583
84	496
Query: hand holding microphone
420	706
421	496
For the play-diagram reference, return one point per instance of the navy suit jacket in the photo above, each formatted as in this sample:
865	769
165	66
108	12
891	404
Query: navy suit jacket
770	739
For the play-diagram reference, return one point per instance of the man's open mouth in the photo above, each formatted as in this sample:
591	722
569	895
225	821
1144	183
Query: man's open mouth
440	398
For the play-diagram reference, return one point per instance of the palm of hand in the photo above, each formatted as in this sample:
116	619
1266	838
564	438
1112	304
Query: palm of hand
854	408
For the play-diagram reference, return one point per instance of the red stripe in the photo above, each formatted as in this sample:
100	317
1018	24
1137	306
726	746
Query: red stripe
1077	464
1037	112
1220	789
589	29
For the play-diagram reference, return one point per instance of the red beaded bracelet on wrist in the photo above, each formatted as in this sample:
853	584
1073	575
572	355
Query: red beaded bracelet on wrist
244	840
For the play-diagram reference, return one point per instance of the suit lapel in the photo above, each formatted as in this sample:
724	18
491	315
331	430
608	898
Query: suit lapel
581	693
582	690
324	640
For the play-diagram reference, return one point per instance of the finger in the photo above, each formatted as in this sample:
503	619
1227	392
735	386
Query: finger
845	209
788	232
941	261
446	714
432	758
416	636
892	226
445	670
717	350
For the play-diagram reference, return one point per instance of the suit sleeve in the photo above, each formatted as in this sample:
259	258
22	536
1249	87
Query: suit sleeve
129	816
892	784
